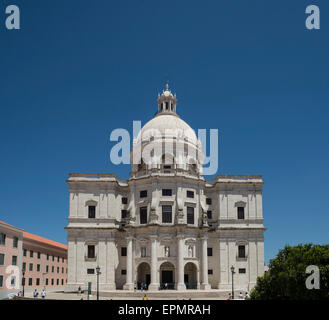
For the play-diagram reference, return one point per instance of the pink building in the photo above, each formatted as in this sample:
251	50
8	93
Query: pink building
30	259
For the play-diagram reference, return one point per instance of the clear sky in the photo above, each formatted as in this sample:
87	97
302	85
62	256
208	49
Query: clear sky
79	69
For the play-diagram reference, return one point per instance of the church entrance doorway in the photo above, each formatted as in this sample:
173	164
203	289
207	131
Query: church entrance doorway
143	275
190	276
167	272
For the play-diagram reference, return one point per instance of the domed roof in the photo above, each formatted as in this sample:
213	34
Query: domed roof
174	125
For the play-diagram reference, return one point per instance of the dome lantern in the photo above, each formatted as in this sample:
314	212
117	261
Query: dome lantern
167	102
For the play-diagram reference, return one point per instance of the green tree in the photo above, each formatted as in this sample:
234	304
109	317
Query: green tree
287	274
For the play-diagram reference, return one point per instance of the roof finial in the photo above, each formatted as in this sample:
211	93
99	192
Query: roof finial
167	83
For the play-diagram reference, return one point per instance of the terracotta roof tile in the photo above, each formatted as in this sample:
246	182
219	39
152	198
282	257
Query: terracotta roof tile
30	236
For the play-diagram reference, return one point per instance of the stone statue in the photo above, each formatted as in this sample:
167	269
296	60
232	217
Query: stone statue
167	252
190	251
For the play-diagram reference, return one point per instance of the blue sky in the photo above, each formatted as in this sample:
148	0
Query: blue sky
79	69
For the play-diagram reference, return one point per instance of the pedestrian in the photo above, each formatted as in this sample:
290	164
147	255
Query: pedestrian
229	297
35	294
43	293
145	287
240	296
247	296
142	286
79	290
166	286
145	297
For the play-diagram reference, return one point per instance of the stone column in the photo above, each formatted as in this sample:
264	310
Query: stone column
180	263
129	271
204	246
154	285
110	265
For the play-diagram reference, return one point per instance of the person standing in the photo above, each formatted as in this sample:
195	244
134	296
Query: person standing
35	294
43	294
240	296
229	297
247	296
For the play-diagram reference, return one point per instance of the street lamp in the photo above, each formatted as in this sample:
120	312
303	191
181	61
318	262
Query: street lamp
98	273
23	282
232	270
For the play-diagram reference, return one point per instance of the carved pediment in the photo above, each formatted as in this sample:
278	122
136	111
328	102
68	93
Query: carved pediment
240	204
143	240
190	242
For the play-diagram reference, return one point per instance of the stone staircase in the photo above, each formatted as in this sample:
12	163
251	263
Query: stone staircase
165	294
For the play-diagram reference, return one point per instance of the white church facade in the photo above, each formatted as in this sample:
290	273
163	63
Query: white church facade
165	226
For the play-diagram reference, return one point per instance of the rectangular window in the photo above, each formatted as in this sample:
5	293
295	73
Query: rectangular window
31	254
190	215
91	251
63	260
124	200
2	239
38	267
123	271
2	259
209	252
143	194
57	269
15	242
30	281
38	282
1	281
209	214
123	214
143	215
24	252
166	214
91	212
57	259
47	256
242	270
210	271
62	270
240	212
62	281
24	267
52	282
47	281
208	201
242	251
53	258
47	269
123	251
52	269
57	281
167	192
190	194
90	271
31	267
